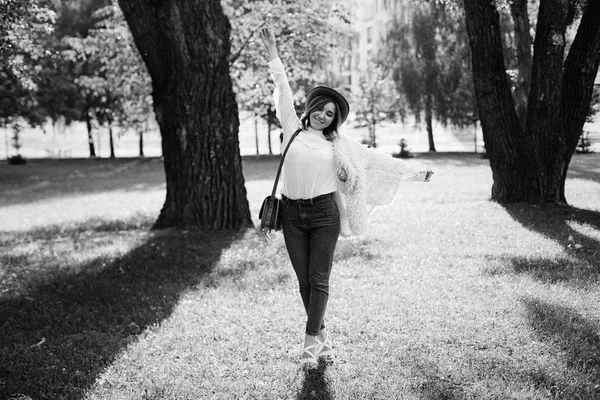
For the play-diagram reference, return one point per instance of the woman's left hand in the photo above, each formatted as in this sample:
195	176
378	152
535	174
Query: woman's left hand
428	175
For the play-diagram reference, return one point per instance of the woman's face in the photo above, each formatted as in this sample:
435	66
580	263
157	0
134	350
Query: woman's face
322	117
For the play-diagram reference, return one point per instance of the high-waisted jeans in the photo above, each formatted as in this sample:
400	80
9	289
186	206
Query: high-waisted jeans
311	229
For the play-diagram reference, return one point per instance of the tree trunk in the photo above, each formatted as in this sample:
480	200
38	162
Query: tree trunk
141	142
6	141
256	133
580	70
88	123
269	137
529	165
111	140
372	134
520	16
429	121
185	45
544	103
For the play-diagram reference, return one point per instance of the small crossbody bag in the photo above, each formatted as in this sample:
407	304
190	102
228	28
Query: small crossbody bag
270	211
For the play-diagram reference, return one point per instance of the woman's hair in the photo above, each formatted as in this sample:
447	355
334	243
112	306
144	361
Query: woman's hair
331	132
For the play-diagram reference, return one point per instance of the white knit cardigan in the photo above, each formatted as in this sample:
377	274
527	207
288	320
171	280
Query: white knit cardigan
367	179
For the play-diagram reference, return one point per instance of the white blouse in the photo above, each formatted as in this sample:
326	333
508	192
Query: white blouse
309	167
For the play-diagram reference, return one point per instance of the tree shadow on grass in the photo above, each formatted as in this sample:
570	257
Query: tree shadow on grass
577	339
581	265
315	384
57	338
433	385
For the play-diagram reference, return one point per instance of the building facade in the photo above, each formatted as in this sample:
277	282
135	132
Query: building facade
371	20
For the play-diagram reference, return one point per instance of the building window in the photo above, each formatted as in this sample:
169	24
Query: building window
347	63
369	34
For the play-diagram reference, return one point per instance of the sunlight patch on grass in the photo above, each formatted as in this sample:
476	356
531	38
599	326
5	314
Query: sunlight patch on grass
42	257
585	230
213	346
79	208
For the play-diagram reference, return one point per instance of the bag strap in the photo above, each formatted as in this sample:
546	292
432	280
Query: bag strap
281	162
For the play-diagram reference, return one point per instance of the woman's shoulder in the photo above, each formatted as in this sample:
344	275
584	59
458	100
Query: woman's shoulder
345	143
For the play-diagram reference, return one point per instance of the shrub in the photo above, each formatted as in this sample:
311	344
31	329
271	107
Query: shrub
17	160
585	144
404	150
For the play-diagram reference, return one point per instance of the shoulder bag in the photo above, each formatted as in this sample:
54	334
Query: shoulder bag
269	215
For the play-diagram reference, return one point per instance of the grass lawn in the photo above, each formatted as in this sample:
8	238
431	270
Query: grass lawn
448	295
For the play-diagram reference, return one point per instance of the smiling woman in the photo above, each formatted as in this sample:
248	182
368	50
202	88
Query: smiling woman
328	181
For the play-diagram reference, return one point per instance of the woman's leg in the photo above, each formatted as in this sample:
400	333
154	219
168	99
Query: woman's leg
296	236
325	224
297	244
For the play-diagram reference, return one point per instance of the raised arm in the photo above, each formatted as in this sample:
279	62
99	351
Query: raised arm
284	102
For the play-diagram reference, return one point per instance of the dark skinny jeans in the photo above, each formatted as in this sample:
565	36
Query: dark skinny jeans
311	229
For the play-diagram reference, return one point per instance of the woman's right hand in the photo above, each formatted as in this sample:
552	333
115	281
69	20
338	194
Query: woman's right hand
268	37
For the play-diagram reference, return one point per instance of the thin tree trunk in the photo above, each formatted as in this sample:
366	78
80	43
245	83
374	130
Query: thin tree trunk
141	142
185	45
429	121
372	134
88	123
6	142
256	133
111	140
269	137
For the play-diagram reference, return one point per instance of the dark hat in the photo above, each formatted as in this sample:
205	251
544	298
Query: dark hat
336	96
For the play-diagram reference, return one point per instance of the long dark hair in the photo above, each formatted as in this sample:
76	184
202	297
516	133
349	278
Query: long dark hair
330	132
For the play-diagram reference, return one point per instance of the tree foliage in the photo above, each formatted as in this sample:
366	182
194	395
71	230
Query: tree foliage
24	27
427	59
377	102
308	33
117	83
59	95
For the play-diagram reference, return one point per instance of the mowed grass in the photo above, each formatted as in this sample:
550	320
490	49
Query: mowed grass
448	296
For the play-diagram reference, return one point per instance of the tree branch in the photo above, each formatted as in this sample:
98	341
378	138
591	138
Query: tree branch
233	57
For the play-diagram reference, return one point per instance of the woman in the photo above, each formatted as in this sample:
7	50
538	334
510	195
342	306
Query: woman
325	192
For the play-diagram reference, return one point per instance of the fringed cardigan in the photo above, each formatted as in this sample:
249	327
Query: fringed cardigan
367	179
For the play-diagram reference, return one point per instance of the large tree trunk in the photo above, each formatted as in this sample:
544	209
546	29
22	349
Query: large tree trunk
529	165
520	16
185	45
580	70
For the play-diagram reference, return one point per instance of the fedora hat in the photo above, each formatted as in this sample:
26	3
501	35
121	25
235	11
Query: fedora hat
336	96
